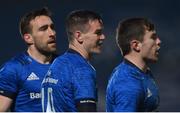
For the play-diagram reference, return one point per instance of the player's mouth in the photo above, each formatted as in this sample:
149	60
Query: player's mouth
52	42
100	43
157	51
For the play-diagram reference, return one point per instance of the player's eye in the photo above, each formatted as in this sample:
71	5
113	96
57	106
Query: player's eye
154	36
43	28
52	27
99	32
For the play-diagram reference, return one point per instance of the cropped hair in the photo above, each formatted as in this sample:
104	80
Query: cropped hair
79	20
130	29
24	25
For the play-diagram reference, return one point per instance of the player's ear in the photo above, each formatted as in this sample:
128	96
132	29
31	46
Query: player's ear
28	38
78	36
135	45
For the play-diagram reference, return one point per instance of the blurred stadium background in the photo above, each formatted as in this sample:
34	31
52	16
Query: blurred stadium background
163	13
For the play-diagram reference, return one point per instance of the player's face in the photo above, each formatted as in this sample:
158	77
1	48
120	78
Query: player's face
150	46
93	39
43	34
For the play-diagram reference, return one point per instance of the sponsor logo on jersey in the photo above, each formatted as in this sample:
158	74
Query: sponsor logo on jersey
35	95
50	80
87	101
33	76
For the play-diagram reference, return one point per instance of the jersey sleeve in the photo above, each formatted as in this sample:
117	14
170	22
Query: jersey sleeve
85	84
8	80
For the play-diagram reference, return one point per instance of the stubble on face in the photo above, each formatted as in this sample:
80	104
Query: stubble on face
44	35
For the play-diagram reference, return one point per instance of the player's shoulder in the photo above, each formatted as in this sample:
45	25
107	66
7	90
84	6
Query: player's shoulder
60	62
67	58
15	63
119	71
20	59
124	74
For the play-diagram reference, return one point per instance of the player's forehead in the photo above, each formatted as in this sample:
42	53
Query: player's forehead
96	25
40	21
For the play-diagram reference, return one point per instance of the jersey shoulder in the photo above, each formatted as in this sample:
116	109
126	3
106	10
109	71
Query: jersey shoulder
16	62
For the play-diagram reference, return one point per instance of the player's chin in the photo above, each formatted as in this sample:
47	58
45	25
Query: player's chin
52	49
154	59
156	56
52	44
97	50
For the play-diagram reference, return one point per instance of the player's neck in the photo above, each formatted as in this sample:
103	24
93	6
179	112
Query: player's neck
80	51
136	60
39	57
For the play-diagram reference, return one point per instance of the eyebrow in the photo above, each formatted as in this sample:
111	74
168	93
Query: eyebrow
154	36
43	27
46	26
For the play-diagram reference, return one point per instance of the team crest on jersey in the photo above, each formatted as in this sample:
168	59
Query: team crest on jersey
2	69
33	76
149	93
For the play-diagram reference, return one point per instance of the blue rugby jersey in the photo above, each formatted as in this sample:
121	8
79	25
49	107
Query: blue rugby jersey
131	90
70	79
20	80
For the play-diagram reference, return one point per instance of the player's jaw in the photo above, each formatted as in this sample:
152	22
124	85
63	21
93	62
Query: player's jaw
98	47
154	54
